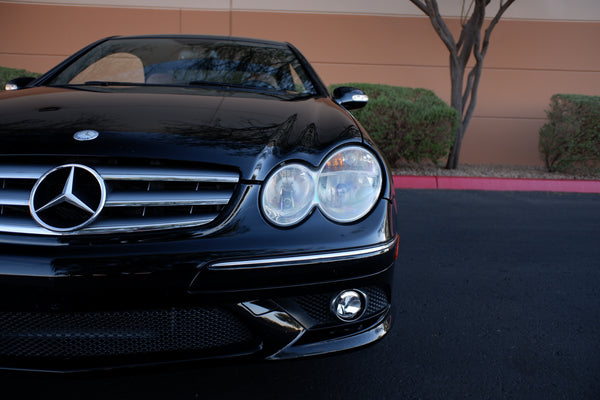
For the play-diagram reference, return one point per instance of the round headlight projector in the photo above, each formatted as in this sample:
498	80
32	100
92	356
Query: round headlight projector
345	188
349	305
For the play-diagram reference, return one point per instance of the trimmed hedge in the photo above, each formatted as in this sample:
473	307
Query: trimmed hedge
6	74
407	124
570	141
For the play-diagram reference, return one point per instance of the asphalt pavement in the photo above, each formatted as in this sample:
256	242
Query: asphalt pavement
497	296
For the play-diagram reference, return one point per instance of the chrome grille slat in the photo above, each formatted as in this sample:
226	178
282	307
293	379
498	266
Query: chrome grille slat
139	198
21	225
168	175
23	171
127	173
132	199
148	223
14	197
29	227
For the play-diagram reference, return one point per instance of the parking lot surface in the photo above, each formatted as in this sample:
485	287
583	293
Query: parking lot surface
497	295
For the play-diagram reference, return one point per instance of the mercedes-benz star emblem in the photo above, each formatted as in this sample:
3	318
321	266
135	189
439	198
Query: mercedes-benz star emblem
84	136
67	198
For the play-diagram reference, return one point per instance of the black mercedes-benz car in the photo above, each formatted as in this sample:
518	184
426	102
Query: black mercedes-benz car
168	198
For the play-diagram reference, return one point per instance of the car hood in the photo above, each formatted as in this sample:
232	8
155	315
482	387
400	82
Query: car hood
251	132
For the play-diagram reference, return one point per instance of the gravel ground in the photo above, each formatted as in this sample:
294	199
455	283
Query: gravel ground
495	171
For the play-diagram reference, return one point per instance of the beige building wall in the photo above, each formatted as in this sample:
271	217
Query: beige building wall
542	47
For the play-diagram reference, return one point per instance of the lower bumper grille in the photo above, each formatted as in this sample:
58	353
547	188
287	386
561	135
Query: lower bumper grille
65	336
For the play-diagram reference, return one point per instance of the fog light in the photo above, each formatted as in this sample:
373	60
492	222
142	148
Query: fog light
349	305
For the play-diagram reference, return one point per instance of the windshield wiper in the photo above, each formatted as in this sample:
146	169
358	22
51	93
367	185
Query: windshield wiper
241	87
112	83
220	85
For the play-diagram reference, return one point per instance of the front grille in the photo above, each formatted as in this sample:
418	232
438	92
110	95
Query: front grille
138	198
77	335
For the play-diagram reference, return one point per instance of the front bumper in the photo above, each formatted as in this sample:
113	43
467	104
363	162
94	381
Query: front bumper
238	307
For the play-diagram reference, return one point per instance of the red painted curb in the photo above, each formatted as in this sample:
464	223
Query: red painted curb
415	182
496	184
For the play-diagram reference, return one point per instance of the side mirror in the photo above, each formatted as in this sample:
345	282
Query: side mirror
350	98
19	83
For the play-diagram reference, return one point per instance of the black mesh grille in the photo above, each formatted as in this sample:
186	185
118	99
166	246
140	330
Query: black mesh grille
378	300
120	333
317	307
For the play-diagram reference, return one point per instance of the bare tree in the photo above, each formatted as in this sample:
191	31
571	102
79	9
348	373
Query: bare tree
470	43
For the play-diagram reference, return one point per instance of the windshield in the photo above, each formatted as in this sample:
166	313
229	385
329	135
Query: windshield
189	62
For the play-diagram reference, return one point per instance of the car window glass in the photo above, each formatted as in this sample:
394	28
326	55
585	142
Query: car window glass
298	83
189	62
120	67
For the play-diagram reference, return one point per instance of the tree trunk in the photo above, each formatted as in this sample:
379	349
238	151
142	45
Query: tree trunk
457	74
468	44
454	155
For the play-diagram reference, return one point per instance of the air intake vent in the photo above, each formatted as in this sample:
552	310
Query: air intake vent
67	336
137	198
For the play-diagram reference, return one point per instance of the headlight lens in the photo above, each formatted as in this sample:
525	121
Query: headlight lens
349	184
289	195
345	188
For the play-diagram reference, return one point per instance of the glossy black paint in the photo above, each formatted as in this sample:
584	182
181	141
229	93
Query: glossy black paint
349	97
247	132
198	125
19	83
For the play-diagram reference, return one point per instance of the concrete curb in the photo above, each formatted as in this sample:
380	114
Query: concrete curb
495	184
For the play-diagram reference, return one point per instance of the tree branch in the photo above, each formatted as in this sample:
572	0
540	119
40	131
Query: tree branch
430	8
468	86
492	25
440	26
421	6
464	22
473	81
479	51
471	36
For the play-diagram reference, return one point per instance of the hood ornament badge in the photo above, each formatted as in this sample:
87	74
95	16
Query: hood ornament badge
84	136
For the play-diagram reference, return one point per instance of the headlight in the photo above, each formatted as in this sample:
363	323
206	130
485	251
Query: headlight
289	195
349	184
347	187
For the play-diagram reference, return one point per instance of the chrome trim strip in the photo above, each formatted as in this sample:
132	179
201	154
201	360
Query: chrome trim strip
305	259
271	318
165	174
373	334
276	317
167	198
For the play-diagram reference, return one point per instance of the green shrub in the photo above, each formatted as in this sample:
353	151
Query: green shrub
407	124
6	74
570	141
